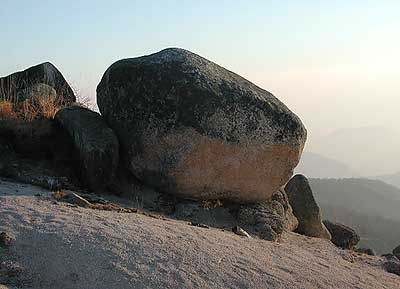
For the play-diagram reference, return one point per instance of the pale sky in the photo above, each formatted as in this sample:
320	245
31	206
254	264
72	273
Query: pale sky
334	63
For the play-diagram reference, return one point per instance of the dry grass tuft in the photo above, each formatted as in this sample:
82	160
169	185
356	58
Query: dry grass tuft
41	106
57	195
38	107
7	110
211	204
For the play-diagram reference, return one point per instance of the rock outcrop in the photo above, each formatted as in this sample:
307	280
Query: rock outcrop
392	267
268	219
367	251
396	251
14	87
342	236
96	143
305	208
391	257
194	129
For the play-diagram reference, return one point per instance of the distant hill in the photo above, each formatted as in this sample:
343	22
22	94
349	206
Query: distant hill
370	151
315	165
393	179
369	206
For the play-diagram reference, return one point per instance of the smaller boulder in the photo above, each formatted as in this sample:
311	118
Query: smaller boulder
96	143
17	84
342	236
305	208
280	200
396	251
367	251
268	219
391	257
392	267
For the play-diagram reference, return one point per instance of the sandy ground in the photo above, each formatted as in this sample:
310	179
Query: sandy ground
61	246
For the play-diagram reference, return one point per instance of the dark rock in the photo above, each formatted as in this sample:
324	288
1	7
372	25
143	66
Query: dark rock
280	199
186	210
268	219
199	225
367	251
342	236
396	251
39	139
11	272
97	144
392	267
14	86
305	208
391	257
38	152
5	239
191	128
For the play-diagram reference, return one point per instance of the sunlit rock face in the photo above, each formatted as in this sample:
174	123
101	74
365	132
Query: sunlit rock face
194	129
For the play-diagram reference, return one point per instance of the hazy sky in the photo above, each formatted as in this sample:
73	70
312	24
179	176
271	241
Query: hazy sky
335	63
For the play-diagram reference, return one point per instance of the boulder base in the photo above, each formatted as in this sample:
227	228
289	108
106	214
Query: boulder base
268	219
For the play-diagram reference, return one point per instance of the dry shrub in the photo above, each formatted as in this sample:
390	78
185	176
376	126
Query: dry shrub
211	204
57	195
82	99
7	110
41	106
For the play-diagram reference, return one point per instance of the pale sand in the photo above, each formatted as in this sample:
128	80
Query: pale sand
69	247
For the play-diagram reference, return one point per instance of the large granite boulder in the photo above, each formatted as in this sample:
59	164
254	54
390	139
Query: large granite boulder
14	87
305	208
194	129
342	236
96	143
268	219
